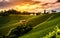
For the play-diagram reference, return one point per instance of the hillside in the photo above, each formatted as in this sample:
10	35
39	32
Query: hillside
44	28
13	21
9	22
42	24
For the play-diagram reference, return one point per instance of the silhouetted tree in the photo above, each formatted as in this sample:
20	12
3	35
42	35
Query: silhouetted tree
53	11
44	11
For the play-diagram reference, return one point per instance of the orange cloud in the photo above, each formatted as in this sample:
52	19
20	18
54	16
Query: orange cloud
30	5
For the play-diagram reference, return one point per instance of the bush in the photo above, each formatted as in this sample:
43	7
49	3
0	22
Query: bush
20	30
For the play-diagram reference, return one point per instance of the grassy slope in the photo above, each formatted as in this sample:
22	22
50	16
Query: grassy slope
39	19
9	22
5	20
44	28
35	20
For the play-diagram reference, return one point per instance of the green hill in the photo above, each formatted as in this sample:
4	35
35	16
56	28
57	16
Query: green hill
9	22
42	24
13	21
39	19
44	28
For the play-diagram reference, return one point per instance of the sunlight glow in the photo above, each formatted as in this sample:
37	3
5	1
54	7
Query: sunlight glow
26	7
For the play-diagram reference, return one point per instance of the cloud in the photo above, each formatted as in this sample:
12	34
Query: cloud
46	1
11	3
4	4
39	3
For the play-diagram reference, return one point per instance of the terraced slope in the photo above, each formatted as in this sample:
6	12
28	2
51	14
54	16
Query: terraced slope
44	28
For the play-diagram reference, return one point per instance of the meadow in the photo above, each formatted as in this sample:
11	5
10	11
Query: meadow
41	24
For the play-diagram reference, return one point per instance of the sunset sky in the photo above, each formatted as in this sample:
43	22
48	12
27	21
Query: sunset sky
30	5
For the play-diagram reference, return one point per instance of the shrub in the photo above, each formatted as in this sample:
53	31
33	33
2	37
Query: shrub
20	30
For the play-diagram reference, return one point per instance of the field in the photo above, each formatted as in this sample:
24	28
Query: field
42	24
44	28
9	22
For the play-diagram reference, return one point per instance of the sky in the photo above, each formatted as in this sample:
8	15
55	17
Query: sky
30	5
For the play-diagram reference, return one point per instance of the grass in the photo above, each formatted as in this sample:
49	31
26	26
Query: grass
39	19
5	20
42	24
9	22
44	28
13	21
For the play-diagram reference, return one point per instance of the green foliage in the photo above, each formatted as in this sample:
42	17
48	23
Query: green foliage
19	30
54	34
7	13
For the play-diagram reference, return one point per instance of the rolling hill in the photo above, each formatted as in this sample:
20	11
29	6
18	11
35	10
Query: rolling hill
42	24
44	28
9	22
13	21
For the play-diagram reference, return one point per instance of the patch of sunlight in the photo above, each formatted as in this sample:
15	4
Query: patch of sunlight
54	34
